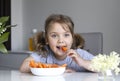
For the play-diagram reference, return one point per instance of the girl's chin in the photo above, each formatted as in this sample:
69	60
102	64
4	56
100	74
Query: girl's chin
61	54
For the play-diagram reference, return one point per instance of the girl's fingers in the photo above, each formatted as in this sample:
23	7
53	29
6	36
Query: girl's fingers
72	53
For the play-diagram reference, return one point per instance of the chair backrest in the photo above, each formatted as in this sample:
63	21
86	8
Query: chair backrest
93	42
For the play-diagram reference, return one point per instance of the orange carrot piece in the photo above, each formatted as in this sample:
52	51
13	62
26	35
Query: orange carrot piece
64	65
54	66
36	65
44	65
40	65
32	64
64	48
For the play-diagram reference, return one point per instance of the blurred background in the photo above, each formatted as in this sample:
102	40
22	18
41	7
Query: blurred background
88	16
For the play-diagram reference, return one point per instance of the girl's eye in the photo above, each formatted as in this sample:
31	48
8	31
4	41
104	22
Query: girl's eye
54	36
66	35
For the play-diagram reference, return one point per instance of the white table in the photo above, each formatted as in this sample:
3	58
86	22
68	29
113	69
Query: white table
15	75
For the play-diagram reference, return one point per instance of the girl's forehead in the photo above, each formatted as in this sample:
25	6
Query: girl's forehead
59	27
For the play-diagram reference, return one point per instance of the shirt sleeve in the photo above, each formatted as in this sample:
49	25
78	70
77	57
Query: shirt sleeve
85	54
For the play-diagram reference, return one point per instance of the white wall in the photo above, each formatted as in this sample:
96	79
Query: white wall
88	16
17	32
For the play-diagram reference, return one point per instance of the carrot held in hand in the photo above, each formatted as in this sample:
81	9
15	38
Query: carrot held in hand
64	48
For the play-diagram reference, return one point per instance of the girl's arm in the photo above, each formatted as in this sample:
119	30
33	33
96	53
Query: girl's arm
25	65
79	60
84	63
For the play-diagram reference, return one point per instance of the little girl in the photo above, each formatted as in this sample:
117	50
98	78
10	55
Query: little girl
59	32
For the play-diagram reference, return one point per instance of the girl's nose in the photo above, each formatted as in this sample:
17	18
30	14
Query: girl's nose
60	40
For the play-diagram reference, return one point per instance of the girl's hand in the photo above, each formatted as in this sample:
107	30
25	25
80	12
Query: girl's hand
73	54
79	60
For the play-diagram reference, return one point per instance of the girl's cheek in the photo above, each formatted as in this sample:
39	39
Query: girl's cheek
52	43
69	43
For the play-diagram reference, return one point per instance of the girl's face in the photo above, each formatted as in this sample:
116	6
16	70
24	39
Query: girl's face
57	37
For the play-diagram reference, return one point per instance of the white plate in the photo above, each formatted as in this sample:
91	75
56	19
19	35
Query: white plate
47	71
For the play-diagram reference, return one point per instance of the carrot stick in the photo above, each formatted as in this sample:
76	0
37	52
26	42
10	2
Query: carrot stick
64	65
64	48
40	65
34	64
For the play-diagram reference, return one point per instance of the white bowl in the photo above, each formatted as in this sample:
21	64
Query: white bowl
48	71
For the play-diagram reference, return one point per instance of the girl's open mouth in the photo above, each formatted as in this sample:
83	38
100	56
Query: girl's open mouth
63	48
58	47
